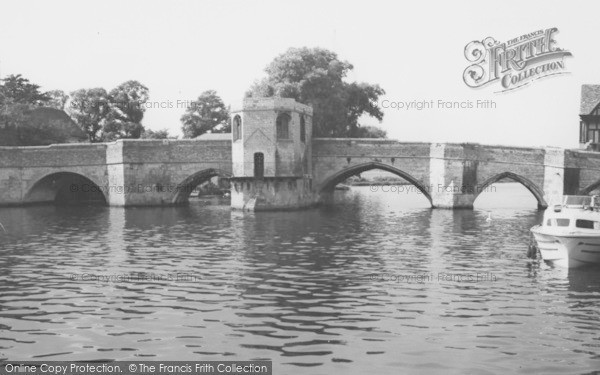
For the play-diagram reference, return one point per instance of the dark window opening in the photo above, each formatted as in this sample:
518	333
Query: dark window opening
593	134
259	165
562	222
302	129
283	122
237	128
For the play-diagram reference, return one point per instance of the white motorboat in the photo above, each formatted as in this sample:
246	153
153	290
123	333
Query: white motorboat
569	235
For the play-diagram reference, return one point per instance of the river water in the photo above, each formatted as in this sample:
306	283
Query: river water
377	283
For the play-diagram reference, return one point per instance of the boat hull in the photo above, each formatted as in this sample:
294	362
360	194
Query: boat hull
567	249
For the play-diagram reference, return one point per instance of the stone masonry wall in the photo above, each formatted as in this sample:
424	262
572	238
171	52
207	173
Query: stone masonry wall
331	156
128	172
152	170
22	167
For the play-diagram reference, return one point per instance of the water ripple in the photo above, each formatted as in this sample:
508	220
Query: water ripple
371	284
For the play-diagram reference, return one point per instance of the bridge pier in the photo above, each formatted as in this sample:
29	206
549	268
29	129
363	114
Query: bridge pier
271	193
554	176
453	201
452	180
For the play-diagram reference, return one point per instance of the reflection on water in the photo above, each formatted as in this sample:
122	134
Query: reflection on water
376	283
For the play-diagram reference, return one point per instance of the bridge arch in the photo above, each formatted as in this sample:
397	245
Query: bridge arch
329	183
65	187
185	188
532	187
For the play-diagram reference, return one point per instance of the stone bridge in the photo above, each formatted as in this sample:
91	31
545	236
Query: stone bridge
448	175
164	172
123	173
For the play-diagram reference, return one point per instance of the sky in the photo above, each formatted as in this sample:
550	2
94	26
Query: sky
413	50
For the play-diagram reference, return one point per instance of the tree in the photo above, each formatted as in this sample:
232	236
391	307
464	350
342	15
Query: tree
13	122
57	99
18	90
27	125
90	108
26	118
115	129
110	116
127	111
207	113
315	76
159	134
369	132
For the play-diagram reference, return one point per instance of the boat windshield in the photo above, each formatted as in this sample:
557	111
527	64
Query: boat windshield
577	200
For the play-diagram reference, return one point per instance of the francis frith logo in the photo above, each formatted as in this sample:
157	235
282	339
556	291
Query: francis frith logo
514	63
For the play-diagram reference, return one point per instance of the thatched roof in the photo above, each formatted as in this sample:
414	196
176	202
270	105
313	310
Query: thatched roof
59	121
44	126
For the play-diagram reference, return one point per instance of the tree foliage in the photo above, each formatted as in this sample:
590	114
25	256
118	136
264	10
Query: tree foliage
57	99
158	134
206	114
18	90
101	115
127	111
13	124
107	116
25	125
315	76
89	108
370	132
25	119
